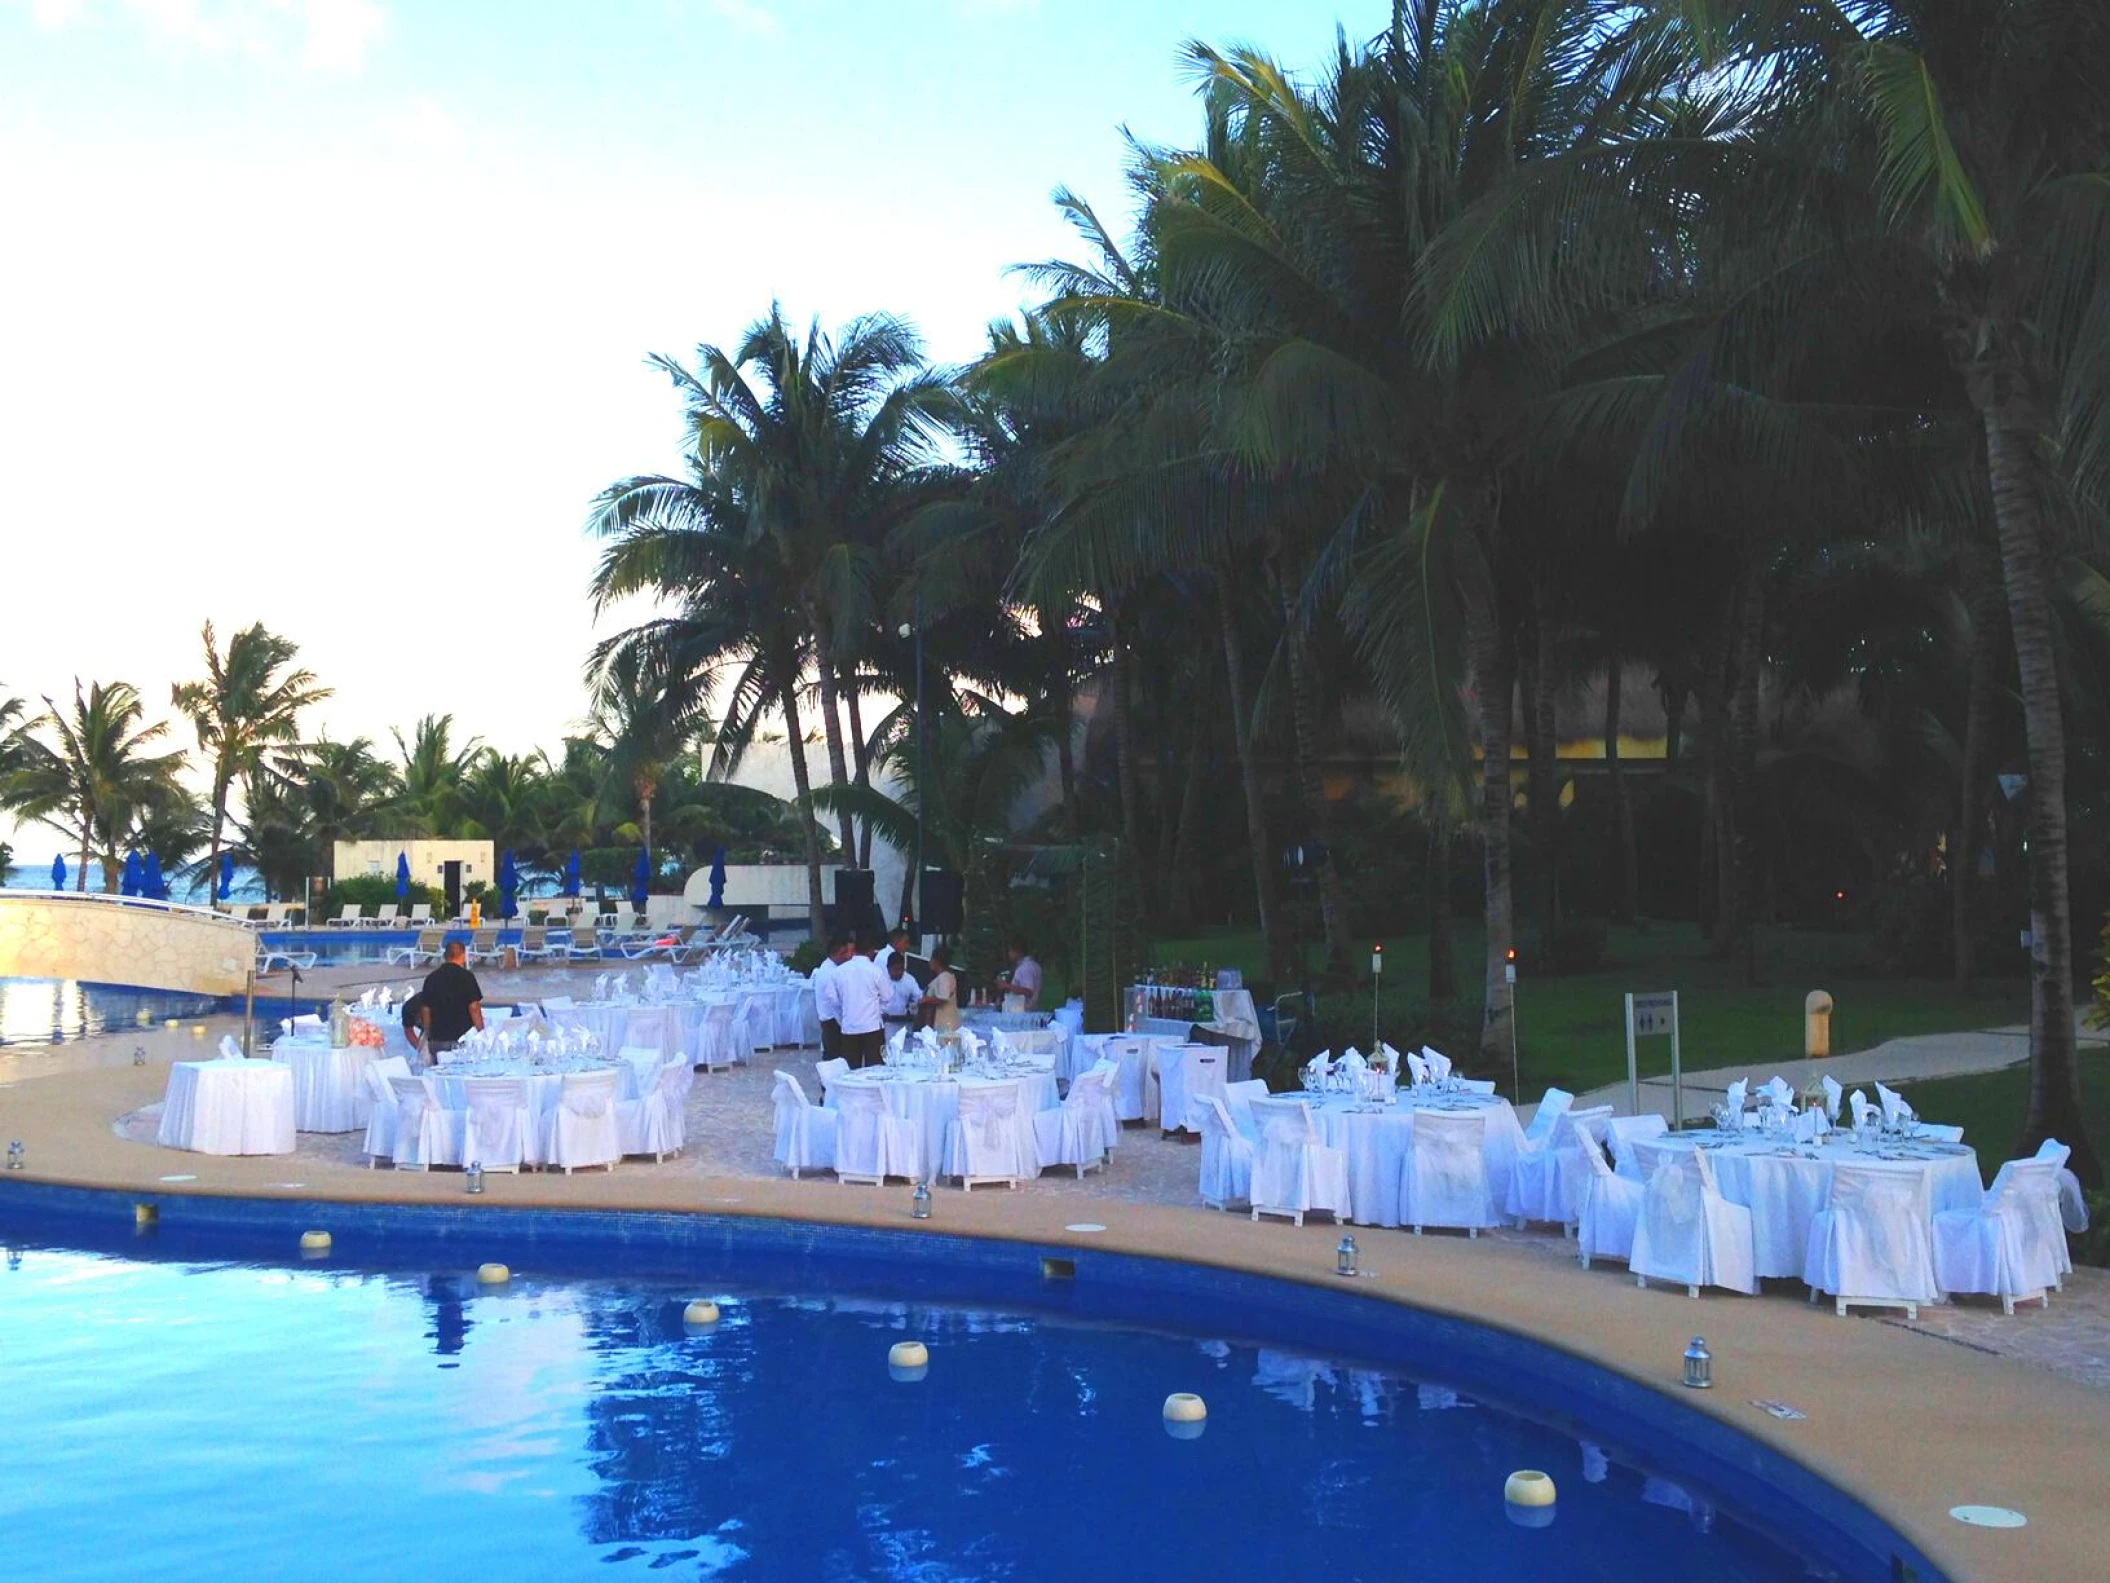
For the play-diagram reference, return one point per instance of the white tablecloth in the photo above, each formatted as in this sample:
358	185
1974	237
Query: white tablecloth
619	1025
932	1102
1785	1184
544	1088
329	1092
1376	1140
228	1107
1241	1050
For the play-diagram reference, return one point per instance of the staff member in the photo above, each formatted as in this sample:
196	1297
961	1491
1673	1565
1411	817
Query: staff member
414	1025
942	999
827	995
1023	985
454	1001
865	993
906	994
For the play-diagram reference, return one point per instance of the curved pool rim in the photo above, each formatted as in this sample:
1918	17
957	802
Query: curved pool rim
1525	1375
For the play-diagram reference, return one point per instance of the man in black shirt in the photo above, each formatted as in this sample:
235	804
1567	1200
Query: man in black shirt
454	1001
414	1023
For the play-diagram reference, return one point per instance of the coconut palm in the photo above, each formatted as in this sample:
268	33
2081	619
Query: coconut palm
651	718
90	772
432	772
248	701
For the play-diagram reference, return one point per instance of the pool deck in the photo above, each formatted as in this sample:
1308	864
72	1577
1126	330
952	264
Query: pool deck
1910	1421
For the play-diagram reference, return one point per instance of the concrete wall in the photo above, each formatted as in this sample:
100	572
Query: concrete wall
427	860
115	941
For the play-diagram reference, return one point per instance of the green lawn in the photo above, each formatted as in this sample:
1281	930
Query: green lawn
1570	1029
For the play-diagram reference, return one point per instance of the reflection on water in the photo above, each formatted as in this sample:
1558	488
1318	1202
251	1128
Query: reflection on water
58	1010
317	1422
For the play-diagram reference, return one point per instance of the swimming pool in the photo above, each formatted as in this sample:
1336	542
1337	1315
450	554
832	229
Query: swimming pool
381	1412
56	1010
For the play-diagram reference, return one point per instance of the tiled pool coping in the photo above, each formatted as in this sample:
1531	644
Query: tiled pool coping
1635	1422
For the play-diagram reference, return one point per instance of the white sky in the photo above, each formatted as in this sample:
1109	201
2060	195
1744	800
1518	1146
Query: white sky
330	313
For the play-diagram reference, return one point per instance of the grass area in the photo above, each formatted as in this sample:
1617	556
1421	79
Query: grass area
1571	1029
1990	1106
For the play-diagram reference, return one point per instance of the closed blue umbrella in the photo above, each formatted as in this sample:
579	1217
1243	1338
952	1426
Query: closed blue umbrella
717	876
58	873
571	876
641	881
151	884
402	876
508	884
128	881
226	874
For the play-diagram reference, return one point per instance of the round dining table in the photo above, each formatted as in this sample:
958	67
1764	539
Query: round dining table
329	1082
932	1099
1376	1136
1784	1183
228	1107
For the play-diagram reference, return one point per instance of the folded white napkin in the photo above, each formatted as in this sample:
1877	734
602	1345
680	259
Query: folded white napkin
1832	1095
1780	1093
1439	1063
1862	1109
1353	1061
1735	1102
1390	1057
1808	1126
1319	1065
971	1044
1417	1068
928	1039
1895	1109
229	1050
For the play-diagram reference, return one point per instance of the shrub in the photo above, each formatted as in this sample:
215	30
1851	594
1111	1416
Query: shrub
370	891
2093	1245
807	956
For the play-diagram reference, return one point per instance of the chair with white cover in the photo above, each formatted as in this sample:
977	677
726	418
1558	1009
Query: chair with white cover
1444	1179
1546	1182
1227	1157
2073	1208
1621	1133
716	1036
871	1142
1474	1085
2011	1245
1870	1245
989	1138
380	1143
830	1072
1688	1233
1610	1207
1295	1172
581	1129
654	1122
425	1133
1543	1120
1081	1131
805	1131
1238	1100
1131	1058
495	1122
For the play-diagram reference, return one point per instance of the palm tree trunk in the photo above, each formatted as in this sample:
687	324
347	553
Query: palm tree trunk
1736	928
1982	596
1257	845
1179	869
788	689
2015	436
1124	740
1493	679
832	726
221	783
861	756
80	880
1304	722
1544	776
1062	701
1443	967
1628	900
644	805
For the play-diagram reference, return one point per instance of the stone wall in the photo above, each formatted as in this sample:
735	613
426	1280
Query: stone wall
101	941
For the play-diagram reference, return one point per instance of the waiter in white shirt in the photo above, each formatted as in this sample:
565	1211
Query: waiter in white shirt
897	945
827	995
865	994
906	995
1021	990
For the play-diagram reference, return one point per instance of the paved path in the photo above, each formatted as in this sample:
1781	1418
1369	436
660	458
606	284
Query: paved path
1896	1062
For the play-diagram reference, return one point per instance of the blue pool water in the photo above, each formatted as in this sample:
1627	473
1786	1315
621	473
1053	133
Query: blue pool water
171	1415
58	1010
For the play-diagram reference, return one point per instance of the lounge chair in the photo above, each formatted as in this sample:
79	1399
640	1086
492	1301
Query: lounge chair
348	918
427	948
269	959
534	944
384	917
483	946
420	915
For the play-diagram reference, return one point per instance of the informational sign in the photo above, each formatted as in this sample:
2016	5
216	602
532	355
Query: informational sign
1652	1015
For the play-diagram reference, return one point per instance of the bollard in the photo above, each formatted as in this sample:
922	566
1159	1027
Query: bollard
1816	1024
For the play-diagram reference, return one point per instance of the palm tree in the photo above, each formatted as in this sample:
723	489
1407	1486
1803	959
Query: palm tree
433	771
247	701
650	719
96	777
686	543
